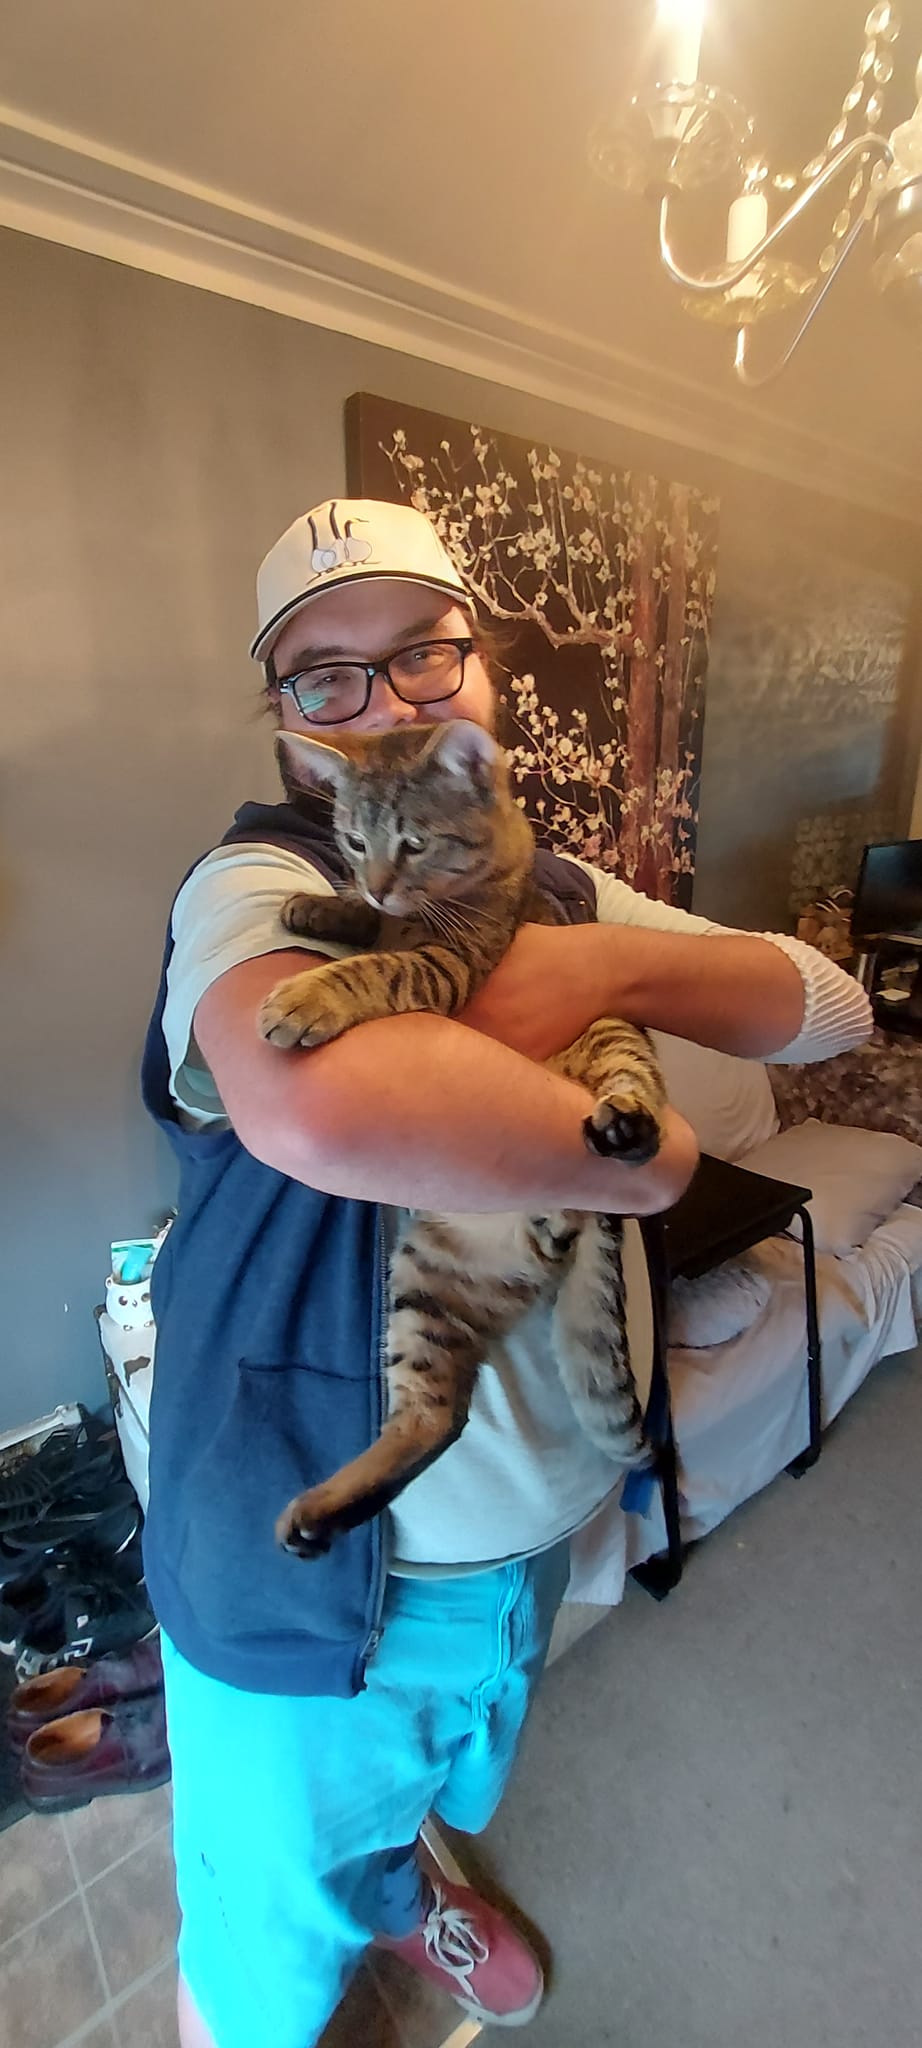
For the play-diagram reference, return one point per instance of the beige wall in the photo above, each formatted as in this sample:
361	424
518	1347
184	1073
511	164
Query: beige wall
155	440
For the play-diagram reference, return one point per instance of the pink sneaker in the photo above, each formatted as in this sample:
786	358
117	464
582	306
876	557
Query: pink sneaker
471	1951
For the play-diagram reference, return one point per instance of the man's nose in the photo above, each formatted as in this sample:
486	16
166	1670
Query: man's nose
385	709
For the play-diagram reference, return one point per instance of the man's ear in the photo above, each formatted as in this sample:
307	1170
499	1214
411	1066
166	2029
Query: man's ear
309	764
463	750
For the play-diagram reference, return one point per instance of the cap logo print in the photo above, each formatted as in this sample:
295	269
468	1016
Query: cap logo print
333	551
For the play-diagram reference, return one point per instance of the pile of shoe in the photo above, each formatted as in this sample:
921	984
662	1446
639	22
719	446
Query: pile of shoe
87	1717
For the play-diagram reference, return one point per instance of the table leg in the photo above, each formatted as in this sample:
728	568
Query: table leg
662	1573
808	1457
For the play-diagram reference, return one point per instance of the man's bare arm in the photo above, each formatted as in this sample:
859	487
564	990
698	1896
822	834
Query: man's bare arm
418	1111
736	993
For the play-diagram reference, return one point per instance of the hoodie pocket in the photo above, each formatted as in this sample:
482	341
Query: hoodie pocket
286	1427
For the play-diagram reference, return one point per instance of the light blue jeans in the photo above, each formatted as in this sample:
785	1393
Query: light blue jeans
295	1820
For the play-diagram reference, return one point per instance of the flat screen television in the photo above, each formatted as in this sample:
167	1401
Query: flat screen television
888	895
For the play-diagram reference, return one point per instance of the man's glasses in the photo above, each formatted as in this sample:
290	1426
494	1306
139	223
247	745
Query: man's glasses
335	691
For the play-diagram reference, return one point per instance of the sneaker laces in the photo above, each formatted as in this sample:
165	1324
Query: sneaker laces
452	1940
82	1459
22	1491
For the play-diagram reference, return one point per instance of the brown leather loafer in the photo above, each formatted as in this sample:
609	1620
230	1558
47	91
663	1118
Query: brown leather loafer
73	1687
103	1750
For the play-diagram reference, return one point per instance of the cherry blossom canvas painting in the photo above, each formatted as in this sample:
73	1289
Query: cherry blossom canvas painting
602	581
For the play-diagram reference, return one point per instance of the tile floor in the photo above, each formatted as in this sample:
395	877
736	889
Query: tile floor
88	1930
87	1935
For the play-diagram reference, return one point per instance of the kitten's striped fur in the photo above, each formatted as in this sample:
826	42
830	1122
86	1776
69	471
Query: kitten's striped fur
426	821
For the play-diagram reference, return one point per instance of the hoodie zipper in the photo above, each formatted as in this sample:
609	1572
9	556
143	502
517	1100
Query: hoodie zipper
373	1639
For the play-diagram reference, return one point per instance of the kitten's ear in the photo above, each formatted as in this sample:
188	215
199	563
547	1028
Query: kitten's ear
308	764
465	750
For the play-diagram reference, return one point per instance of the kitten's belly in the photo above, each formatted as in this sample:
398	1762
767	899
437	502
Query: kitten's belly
490	1246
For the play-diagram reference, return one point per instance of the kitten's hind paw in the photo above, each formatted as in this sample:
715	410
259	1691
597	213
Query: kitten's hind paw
302	1534
628	1134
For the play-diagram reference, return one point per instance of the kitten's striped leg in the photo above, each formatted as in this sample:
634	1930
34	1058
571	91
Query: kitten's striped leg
414	1435
432	1365
313	1007
440	1323
589	1339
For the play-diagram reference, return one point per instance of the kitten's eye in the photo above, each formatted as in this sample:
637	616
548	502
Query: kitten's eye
412	843
354	844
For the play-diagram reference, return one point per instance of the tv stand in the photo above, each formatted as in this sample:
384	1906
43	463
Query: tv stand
899	1016
878	952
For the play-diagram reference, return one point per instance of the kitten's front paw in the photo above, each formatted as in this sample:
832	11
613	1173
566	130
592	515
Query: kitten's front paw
628	1134
343	917
301	1012
299	912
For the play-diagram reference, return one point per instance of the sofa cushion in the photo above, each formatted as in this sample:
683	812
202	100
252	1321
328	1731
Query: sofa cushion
858	1177
728	1101
718	1306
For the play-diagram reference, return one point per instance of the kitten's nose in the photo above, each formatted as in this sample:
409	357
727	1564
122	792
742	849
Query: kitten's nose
379	878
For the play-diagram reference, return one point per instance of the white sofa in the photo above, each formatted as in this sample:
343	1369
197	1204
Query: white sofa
740	1406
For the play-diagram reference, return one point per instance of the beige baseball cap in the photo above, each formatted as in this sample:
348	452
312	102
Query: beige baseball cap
349	540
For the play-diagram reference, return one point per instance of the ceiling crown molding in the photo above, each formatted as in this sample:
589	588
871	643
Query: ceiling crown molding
68	188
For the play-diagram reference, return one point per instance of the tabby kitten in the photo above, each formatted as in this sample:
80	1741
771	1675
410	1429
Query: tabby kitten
442	859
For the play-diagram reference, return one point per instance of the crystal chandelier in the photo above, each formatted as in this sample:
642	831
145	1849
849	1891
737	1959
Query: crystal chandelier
681	134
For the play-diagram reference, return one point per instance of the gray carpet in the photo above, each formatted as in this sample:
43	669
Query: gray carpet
717	1817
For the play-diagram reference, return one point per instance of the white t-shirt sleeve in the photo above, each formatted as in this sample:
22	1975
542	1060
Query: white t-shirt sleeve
837	1011
226	912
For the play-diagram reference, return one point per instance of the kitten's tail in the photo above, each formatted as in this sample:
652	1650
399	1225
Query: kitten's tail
589	1339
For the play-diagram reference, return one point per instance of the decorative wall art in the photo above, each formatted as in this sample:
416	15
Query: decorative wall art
605	580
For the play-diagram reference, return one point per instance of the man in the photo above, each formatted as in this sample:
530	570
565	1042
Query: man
318	1711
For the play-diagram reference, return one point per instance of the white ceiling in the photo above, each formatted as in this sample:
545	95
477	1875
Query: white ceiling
418	173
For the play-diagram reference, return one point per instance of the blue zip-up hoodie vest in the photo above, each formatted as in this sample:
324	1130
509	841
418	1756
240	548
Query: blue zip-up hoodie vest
268	1298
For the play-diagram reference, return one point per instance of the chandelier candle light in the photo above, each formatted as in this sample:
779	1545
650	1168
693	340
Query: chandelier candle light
679	27
680	134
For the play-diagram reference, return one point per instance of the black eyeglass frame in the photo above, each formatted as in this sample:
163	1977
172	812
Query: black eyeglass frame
288	685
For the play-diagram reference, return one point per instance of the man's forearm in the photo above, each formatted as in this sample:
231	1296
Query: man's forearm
733	991
737	993
423	1113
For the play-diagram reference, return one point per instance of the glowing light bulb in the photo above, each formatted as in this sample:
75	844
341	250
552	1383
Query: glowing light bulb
679	24
747	224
